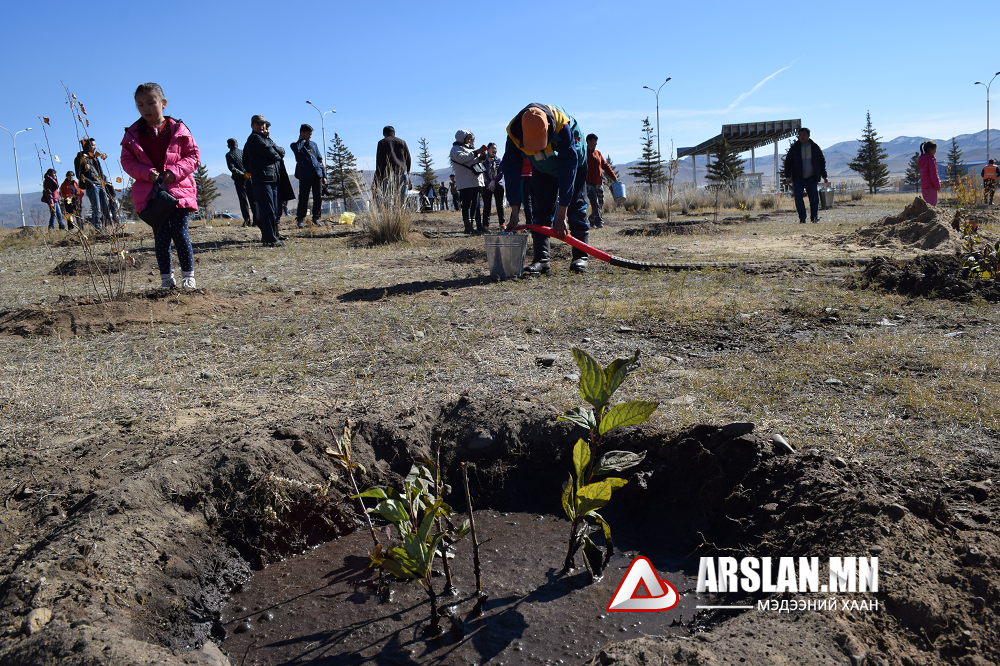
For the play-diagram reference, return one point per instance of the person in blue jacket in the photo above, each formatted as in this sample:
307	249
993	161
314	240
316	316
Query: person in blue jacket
311	175
552	142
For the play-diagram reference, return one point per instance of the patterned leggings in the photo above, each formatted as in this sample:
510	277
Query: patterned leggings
174	229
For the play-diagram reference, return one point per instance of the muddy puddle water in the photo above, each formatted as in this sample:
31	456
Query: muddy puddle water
320	608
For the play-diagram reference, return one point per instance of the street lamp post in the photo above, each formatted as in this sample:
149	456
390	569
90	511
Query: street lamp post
980	83
656	92
13	142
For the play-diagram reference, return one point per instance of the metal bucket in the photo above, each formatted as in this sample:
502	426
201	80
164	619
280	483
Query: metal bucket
618	192
826	197
505	254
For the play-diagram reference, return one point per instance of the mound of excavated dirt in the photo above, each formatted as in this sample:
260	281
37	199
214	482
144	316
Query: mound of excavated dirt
929	275
467	255
160	306
674	227
918	227
78	267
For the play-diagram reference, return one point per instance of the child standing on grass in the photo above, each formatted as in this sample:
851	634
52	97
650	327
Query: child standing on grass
930	183
158	146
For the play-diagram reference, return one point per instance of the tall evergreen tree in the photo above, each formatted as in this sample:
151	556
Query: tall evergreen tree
912	176
727	166
426	163
956	165
343	181
870	160
650	167
207	191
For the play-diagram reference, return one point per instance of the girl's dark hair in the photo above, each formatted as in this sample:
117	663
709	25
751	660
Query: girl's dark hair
150	89
50	171
491	144
927	146
70	174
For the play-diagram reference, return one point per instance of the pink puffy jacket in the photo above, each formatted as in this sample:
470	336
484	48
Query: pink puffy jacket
182	159
929	179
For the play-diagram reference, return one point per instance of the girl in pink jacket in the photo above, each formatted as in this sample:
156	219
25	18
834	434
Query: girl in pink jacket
930	183
158	146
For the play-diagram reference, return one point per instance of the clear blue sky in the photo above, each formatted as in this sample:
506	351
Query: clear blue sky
430	69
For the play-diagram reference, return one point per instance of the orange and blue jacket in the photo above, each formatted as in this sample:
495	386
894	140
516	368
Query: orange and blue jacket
990	172
563	155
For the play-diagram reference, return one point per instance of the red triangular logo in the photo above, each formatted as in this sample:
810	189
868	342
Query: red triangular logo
642	590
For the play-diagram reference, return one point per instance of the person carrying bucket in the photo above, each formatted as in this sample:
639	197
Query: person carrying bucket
989	174
595	181
552	142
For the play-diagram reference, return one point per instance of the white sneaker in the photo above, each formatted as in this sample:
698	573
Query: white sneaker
188	283
167	283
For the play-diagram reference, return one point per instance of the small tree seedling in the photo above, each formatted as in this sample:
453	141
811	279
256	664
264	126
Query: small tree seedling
582	497
414	513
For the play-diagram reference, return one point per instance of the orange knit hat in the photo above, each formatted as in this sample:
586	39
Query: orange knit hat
535	129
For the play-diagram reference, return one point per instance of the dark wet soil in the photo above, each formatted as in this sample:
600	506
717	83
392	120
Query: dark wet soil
322	607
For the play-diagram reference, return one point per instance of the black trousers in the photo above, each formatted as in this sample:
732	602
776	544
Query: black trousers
241	191
268	208
314	185
545	200
470	202
488	198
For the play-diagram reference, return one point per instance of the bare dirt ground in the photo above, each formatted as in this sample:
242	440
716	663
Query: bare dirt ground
160	449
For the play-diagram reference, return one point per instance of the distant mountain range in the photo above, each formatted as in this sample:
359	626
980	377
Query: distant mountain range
900	150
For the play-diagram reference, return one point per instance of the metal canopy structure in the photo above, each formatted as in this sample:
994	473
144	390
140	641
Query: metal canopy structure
744	137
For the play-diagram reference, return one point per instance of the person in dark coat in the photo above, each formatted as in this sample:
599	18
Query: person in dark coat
261	158
804	166
392	165
311	174
234	162
91	177
286	192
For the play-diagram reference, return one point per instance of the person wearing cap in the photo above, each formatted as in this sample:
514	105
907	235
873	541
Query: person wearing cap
261	158
989	174
467	162
392	166
551	140
311	174
804	166
595	181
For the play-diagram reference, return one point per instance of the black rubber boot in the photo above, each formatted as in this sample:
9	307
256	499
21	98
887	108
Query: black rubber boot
579	263
540	258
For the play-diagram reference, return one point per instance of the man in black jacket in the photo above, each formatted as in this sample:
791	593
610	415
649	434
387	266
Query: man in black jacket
392	161
260	158
91	176
311	175
234	161
804	166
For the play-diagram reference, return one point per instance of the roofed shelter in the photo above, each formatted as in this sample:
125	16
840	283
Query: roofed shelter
744	137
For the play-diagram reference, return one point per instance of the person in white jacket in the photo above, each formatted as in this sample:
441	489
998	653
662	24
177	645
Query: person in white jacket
468	175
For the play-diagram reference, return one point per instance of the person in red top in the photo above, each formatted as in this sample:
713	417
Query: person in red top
71	197
597	166
989	174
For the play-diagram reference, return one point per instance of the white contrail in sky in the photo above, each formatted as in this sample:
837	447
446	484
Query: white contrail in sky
754	89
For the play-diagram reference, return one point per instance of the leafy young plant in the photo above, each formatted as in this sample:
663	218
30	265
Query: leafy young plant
414	513
582	497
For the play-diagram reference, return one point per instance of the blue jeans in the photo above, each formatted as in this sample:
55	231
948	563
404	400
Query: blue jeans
95	193
56	214
808	185
174	229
